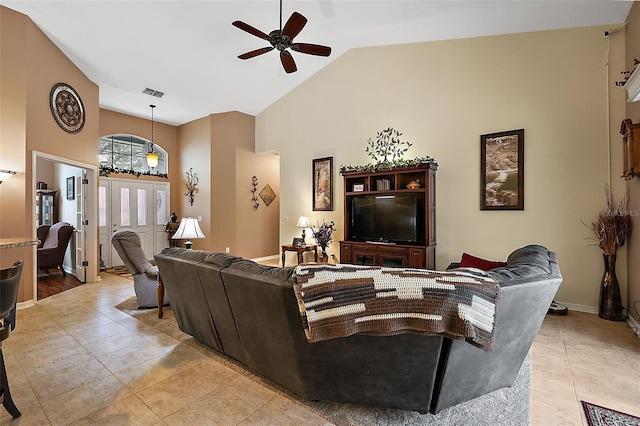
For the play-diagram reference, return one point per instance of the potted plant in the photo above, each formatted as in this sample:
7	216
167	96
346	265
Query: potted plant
323	236
611	227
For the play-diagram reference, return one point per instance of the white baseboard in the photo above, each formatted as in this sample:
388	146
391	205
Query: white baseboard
26	304
262	259
633	324
579	308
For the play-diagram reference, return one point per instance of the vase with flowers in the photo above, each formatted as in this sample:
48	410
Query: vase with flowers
323	236
611	226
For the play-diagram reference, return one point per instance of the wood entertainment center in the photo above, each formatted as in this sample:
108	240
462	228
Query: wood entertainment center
420	180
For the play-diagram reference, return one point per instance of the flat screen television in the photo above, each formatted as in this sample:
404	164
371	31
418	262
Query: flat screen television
388	218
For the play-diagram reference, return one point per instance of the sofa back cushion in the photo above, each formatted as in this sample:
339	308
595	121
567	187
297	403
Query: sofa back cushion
527	264
179	273
209	272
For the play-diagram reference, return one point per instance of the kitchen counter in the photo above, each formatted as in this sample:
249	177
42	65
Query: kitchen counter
8	243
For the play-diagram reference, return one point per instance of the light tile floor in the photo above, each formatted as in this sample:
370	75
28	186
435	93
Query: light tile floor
582	357
76	359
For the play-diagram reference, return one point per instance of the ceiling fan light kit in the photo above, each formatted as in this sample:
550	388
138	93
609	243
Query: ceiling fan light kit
282	40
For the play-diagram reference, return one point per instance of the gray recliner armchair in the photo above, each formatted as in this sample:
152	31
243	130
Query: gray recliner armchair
144	271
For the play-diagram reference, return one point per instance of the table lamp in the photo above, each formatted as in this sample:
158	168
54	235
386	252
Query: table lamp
303	223
188	229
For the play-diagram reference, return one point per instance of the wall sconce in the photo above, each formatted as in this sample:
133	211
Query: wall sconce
152	157
303	223
192	183
188	229
6	174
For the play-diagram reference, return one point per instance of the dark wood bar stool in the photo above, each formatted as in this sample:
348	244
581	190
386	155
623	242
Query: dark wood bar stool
9	283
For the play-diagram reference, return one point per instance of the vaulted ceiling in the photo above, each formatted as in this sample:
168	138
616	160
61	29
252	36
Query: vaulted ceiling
189	49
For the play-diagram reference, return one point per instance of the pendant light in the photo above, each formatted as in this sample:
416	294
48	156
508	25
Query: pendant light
152	157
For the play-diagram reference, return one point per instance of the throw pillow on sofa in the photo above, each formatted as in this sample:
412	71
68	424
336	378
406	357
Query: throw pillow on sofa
469	261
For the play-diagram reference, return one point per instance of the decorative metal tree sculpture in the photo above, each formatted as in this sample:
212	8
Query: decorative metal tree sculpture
192	183
387	144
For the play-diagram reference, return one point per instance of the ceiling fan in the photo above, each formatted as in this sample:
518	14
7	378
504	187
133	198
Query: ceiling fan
282	40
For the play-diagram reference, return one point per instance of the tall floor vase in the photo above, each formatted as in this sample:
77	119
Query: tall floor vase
610	302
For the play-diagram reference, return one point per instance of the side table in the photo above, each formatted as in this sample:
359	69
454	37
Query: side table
300	251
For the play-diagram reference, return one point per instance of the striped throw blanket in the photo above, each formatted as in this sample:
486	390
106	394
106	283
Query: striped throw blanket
341	300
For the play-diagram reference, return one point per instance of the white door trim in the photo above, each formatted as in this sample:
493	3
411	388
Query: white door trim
91	214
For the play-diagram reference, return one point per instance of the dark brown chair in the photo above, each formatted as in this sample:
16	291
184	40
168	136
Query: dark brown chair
53	244
9	283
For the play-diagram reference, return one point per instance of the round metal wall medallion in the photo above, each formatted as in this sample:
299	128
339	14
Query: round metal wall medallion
66	107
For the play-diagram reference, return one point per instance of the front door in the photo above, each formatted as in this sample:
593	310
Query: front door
140	206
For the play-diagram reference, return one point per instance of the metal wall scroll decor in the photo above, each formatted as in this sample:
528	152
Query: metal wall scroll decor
192	185
254	198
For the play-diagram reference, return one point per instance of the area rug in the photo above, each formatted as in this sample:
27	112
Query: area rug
504	407
601	416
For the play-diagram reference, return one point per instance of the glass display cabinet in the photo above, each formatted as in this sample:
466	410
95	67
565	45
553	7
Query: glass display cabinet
45	207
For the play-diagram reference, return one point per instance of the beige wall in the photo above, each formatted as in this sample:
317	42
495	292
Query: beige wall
220	149
443	96
257	232
632	40
31	65
195	153
13	142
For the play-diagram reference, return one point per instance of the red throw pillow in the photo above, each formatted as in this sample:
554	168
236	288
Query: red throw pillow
469	261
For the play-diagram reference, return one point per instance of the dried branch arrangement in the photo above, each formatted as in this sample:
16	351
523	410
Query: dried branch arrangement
612	224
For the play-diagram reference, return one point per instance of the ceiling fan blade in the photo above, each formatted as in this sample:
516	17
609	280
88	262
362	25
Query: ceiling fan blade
288	63
256	52
294	25
248	28
311	49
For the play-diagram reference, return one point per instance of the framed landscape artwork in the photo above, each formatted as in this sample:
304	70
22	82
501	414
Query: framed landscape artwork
323	184
502	170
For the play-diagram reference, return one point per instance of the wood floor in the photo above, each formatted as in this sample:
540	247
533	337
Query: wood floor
55	283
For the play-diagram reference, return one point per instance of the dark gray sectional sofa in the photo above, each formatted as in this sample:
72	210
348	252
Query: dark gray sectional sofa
250	313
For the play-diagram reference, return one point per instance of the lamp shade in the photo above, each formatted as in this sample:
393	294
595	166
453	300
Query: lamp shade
303	222
152	159
187	230
6	174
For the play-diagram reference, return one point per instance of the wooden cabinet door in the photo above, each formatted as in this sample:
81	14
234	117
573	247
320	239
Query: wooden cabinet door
363	254
417	258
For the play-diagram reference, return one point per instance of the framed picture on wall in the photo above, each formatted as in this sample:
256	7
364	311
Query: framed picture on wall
323	184
71	188
502	170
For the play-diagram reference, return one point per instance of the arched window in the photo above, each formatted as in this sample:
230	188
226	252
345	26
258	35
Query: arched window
128	154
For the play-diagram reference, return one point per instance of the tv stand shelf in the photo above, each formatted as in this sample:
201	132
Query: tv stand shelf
419	179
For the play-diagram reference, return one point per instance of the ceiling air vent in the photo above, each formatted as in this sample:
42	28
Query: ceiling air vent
153	92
